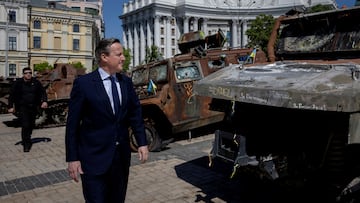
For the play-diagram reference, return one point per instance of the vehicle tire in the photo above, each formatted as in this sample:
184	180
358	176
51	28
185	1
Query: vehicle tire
152	136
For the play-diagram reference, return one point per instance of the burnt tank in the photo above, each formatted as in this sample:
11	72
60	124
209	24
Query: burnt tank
58	83
164	87
296	116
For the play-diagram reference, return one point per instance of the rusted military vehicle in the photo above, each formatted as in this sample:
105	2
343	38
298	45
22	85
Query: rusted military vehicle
165	87
58	83
297	116
5	86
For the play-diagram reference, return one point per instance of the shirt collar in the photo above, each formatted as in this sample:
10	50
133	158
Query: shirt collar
104	75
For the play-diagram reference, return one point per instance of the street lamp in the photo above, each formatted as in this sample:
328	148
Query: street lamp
6	41
6	44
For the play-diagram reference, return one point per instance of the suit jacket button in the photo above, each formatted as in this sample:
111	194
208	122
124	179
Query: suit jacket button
116	143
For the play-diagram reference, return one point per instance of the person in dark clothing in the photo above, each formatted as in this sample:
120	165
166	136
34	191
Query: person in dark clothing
26	95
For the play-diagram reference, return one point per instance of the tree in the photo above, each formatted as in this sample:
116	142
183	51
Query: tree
127	59
42	66
78	65
152	54
319	8
260	30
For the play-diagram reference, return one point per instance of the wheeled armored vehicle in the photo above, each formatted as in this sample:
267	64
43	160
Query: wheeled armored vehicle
164	87
296	116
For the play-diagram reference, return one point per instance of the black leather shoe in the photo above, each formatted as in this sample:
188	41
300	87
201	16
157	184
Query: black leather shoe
27	147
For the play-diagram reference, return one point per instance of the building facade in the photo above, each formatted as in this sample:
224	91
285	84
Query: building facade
13	37
59	35
161	22
93	7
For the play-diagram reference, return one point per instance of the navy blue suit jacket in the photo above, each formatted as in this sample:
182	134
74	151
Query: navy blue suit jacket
92	129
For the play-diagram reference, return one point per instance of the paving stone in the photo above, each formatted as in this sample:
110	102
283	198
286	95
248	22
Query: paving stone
41	176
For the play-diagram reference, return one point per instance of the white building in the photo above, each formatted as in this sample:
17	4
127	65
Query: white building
161	22
13	36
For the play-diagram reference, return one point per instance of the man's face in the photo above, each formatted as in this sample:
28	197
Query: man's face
27	74
116	58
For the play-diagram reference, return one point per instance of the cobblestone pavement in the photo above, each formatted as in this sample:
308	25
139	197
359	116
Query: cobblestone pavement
176	174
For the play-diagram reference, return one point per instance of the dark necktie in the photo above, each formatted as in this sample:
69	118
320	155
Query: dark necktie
115	95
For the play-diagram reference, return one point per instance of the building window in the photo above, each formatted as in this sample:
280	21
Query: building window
173	32
77	9
162	31
162	41
76	44
12	69
12	43
92	11
76	28
57	43
12	16
162	51
37	42
37	24
173	52
172	42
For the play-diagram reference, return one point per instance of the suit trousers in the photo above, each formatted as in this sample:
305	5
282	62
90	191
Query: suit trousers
27	121
109	187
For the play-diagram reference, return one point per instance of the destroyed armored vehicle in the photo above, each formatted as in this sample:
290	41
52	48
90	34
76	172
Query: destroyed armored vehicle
296	116
165	88
58	83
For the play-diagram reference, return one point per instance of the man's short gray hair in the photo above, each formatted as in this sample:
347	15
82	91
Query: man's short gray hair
103	47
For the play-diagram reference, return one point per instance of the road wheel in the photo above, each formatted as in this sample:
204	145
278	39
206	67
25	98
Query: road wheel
59	114
152	137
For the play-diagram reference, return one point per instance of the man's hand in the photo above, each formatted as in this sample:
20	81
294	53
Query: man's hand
11	110
74	169
44	105
143	153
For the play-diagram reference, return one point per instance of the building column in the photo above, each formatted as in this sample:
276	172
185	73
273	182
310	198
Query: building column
142	42
168	37
157	31
234	33
196	24
124	40
136	45
244	38
186	24
130	43
148	34
204	26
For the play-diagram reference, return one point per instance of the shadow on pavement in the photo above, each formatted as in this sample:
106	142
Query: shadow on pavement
215	183
36	140
15	123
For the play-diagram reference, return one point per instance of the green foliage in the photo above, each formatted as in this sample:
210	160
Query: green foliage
127	59
78	65
260	31
42	66
152	54
319	8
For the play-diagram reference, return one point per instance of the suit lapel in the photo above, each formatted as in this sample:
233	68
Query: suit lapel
101	92
124	91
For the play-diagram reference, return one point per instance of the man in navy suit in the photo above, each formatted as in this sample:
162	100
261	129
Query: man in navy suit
102	106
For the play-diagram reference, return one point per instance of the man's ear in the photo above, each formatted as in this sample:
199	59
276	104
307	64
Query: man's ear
103	57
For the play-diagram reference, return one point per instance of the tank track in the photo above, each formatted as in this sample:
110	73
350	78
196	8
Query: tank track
54	116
